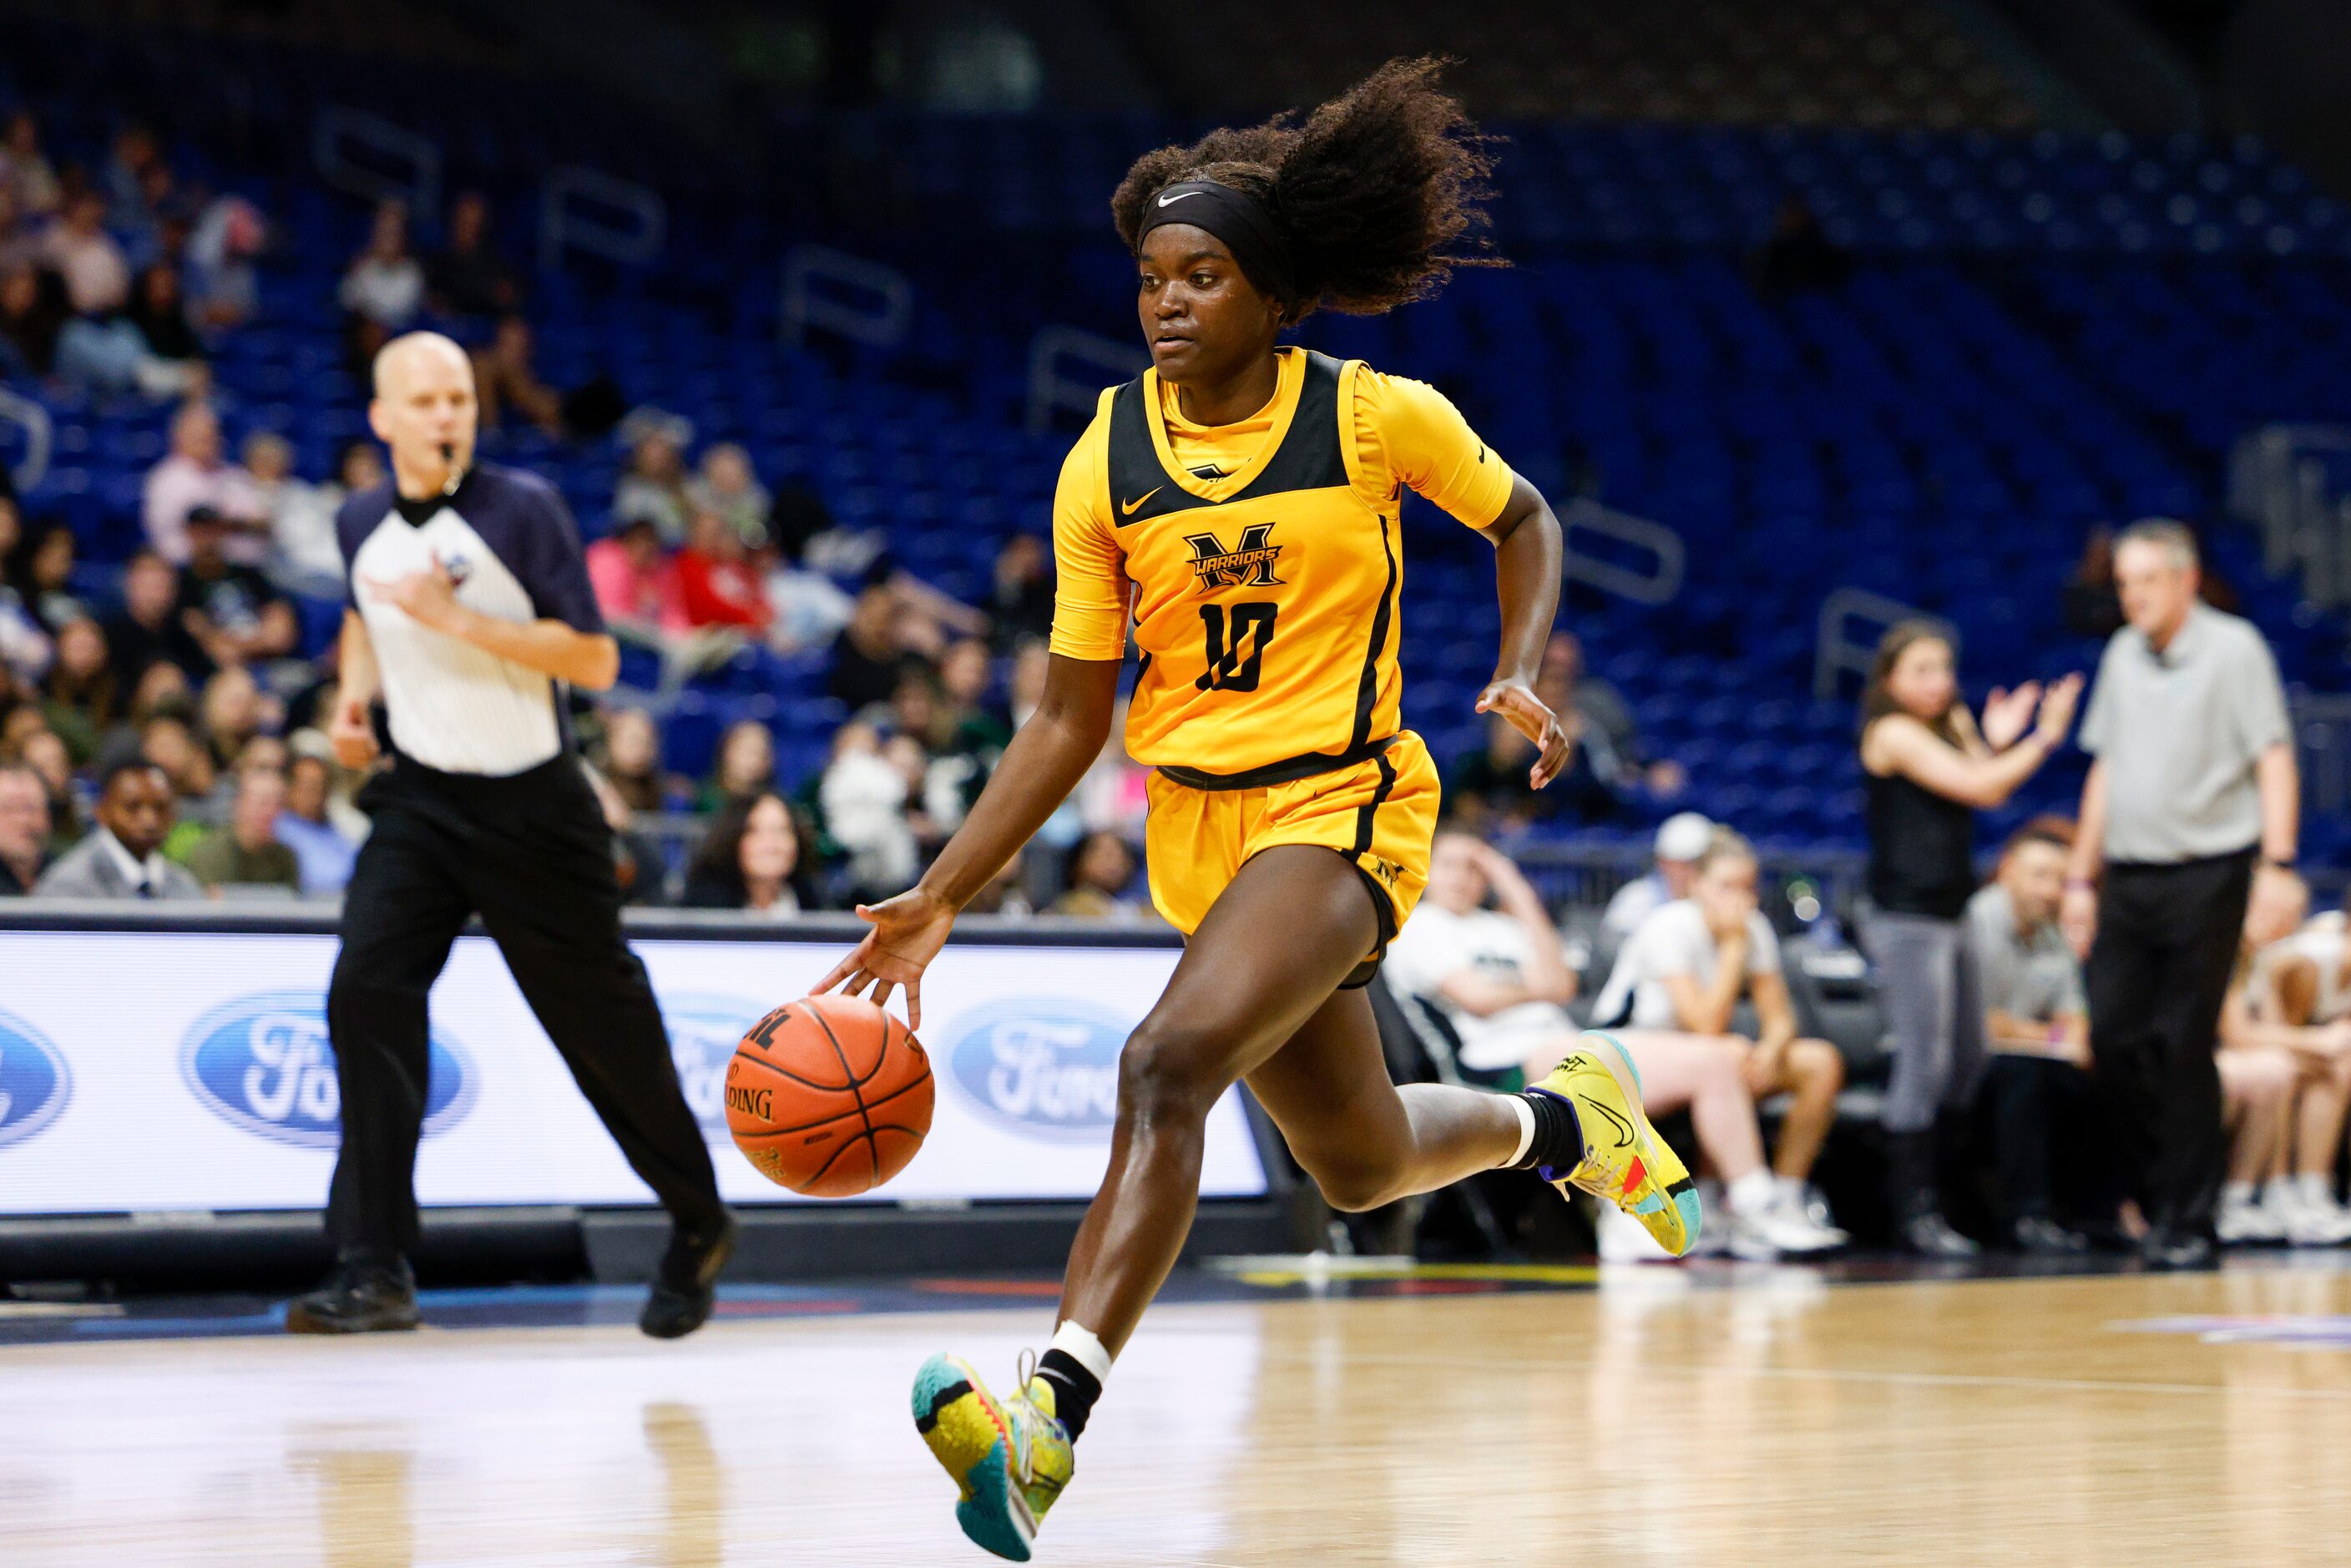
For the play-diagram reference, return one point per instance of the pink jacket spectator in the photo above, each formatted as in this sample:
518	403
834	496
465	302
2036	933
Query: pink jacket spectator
631	592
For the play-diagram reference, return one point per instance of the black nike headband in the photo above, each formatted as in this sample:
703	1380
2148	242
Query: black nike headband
1244	223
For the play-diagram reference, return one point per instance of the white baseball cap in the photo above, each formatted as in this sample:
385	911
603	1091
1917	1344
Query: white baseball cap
1684	837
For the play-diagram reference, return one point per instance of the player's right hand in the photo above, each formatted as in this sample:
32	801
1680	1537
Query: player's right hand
908	932
352	731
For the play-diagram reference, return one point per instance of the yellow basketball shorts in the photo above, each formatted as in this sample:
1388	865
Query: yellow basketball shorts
1381	813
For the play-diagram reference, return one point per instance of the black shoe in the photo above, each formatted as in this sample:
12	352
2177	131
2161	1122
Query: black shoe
2043	1236
685	1286
1929	1235
358	1297
2167	1249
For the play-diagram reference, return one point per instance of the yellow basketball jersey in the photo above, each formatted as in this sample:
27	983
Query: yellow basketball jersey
1264	598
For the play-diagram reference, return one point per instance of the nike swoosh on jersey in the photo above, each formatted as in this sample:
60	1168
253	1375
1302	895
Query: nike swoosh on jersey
1128	507
1167	201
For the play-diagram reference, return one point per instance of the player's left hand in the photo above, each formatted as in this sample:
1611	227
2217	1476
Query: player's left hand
429	597
1532	717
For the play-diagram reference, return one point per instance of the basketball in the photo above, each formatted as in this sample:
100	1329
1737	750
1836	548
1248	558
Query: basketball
828	1096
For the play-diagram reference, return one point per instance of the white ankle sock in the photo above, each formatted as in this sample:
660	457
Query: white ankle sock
1518	1102
2314	1191
1752	1193
1792	1190
1078	1342
2236	1194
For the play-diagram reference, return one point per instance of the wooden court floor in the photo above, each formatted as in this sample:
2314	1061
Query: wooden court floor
1781	1421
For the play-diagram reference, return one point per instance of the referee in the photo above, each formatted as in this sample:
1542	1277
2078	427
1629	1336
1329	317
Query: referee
2195	777
471	610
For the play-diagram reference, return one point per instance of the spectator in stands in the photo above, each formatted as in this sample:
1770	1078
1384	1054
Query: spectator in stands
809	609
383	292
197	474
1608	731
506	377
33	310
631	757
322	850
1799	256
1096	878
1020	590
303	557
1004	892
168	738
869	652
1501	981
653	487
26	168
231	610
2259	1074
357	466
96	277
24	829
1681	839
122	857
84	699
1490	790
42	574
468	277
864	796
46	755
24	643
2295	997
149	630
716	585
235	712
161	314
1928	770
124	181
639	865
748	859
1683	974
727	486
246	851
974	724
635	583
2037	1091
1030	662
2092	608
745	763
2195	777
221	281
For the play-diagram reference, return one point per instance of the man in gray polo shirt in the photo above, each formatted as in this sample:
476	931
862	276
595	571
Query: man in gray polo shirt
2194	775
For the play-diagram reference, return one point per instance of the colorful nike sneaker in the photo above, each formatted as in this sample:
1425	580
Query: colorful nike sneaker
1624	1161
1009	1458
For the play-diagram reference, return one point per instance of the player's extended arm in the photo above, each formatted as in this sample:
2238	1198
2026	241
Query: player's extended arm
589	659
1046	757
1527	555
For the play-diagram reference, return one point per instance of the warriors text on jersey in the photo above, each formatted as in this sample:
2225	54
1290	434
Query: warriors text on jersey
1261	562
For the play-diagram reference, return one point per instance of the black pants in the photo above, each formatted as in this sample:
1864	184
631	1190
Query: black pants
531	854
2046	1129
2168	939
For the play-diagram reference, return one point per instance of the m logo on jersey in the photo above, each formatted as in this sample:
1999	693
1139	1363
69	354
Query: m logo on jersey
1250	564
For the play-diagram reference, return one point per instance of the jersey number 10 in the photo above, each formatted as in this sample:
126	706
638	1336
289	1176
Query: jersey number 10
1229	669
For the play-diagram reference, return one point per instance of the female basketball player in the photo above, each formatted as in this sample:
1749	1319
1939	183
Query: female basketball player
1238	499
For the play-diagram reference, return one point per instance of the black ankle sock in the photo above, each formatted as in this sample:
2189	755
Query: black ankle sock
1558	1143
1074	1389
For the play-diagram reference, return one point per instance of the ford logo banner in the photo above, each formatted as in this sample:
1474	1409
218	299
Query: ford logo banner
34	1082
263	1063
703	1030
1041	1066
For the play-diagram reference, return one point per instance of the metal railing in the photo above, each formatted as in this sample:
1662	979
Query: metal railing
367	155
33	421
1662	545
831	290
2293	482
586	209
1051	391
1838	652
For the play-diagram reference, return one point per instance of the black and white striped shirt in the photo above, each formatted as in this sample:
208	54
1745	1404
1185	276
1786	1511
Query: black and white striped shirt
508	542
